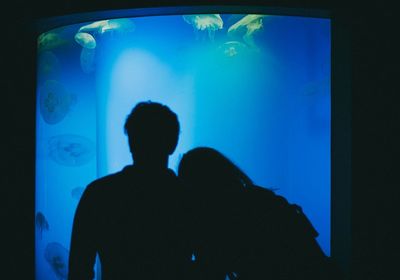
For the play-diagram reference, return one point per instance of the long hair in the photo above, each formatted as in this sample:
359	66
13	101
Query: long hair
206	167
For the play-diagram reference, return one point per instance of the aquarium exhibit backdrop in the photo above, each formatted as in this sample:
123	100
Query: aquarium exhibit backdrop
256	87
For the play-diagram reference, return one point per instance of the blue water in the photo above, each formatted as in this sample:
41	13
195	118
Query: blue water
263	99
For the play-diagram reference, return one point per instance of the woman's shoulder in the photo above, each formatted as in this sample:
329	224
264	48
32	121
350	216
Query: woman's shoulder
266	195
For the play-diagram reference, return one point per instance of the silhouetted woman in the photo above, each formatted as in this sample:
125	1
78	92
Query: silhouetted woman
244	231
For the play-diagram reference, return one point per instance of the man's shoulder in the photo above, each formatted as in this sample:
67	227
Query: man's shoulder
106	182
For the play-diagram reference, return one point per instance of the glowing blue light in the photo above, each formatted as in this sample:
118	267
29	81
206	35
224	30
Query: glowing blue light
258	91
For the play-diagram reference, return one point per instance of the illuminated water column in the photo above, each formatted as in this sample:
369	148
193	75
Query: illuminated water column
136	75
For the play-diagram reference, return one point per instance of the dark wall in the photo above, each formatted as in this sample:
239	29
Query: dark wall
375	121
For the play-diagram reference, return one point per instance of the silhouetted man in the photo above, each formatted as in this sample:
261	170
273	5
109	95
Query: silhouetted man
135	219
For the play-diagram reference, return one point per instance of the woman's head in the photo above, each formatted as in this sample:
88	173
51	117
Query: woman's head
206	169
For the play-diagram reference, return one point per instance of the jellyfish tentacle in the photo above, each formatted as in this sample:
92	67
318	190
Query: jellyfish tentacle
249	40
211	34
87	59
41	223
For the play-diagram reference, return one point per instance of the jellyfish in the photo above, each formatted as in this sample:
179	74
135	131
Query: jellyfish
87	60
48	65
70	149
77	192
57	257
102	26
246	27
86	40
54	101
232	48
41	223
120	25
87	56
50	40
96	26
209	22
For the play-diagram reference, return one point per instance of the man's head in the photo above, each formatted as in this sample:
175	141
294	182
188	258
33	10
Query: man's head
152	130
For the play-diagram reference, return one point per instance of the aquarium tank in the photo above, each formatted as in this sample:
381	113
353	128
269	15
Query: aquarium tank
255	86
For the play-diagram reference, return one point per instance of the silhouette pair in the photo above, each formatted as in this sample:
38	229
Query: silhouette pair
209	222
